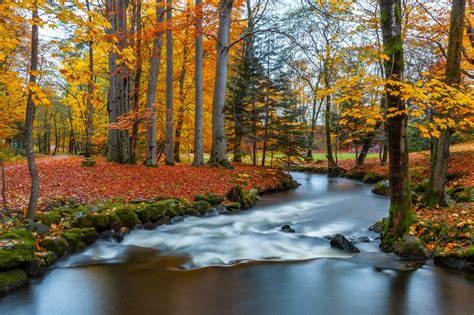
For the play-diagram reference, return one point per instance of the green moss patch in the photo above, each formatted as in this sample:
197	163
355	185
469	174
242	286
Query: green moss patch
201	206
12	279
79	238
15	252
211	198
127	217
57	245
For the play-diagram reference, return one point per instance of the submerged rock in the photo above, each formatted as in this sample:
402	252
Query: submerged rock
411	248
340	242
287	229
456	261
12	279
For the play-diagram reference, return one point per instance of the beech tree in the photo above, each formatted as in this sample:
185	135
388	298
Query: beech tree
198	159
434	195
169	147
400	211
219	150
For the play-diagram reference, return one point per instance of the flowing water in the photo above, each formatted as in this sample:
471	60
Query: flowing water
243	264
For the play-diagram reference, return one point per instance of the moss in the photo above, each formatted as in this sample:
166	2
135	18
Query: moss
202	206
127	217
48	218
372	178
211	198
12	279
469	251
14	252
422	186
78	238
249	199
382	188
100	221
49	258
168	207
19	234
57	245
143	213
356	174
233	206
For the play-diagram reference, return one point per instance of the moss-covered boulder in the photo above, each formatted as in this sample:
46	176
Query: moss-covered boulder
15	252
382	188
411	248
49	258
18	234
233	206
55	244
143	213
101	221
79	238
250	199
464	195
48	218
211	198
372	178
421	187
12	279
356	174
168	207
201	206
127	217
35	268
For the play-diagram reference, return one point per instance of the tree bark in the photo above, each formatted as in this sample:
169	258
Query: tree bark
434	195
30	116
329	154
400	211
169	148
90	92
151	90
198	115
219	150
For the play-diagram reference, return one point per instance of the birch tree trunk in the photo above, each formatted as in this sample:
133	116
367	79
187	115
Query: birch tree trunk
30	116
198	115
434	195
400	211
169	148
219	150
151	90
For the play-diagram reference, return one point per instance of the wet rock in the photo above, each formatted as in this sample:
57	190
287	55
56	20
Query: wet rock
149	225
362	239
456	261
201	206
211	198
127	217
220	208
372	178
120	234
211	213
287	229
15	252
342	243
236	194
355	174
35	268
55	244
377	227
12	279
107	235
79	238
48	258
162	220
328	237
176	219
382	188
411	248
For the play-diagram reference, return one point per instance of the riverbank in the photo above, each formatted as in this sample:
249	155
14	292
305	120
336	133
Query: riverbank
65	225
447	233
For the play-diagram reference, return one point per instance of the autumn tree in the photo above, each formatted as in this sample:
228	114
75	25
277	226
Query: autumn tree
400	211
198	110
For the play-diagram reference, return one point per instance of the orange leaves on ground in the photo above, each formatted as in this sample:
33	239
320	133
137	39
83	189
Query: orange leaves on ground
64	177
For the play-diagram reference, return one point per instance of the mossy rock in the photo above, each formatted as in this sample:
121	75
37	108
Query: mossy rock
356	174
211	198
168	207
143	213
465	195
35	268
411	248
372	177
236	194
57	245
127	217
233	206
250	199
15	252
382	188
48	258
19	234
102	221
201	206
48	218
12	279
79	238
421	187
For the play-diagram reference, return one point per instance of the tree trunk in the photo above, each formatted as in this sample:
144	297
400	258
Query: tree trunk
30	116
219	150
4	196
198	115
151	90
169	148
56	135
90	92
439	163
400	212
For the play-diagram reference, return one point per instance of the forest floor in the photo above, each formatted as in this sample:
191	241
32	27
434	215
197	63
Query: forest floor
63	177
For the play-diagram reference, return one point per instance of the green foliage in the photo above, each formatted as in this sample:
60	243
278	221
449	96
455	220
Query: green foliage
202	206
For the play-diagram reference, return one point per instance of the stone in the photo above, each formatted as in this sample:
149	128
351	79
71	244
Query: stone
41	229
49	258
12	279
120	234
411	248
377	227
127	217
355	174
55	244
48	218
107	235
212	198
15	252
421	187
79	238
201	206
382	188
287	229
35	268
342	243
176	219
372	178
162	220
149	225
212	213
362	239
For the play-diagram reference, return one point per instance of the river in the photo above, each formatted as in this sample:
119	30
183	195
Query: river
243	264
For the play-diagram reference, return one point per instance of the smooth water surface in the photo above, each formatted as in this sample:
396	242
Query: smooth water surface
243	264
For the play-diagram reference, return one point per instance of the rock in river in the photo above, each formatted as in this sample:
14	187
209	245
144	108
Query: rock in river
340	242
287	229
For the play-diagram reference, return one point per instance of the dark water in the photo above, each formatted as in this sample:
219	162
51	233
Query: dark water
242	264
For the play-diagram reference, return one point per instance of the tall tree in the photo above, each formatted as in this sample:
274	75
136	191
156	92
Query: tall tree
198	115
169	148
219	150
400	211
439	162
90	88
30	116
151	90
